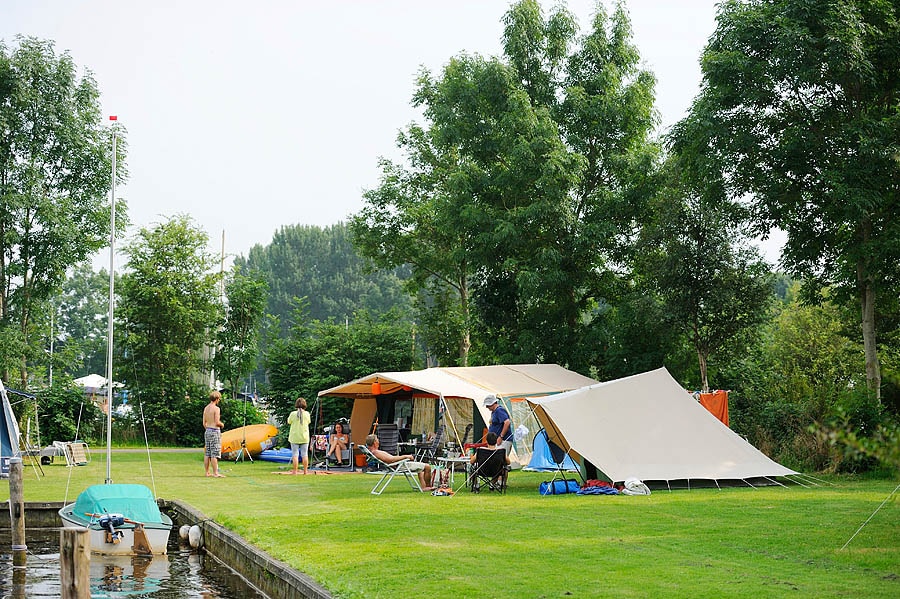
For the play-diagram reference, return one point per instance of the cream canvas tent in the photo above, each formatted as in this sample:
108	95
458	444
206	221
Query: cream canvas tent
463	388
648	427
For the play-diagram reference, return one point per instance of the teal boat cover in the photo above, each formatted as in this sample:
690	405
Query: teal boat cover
135	502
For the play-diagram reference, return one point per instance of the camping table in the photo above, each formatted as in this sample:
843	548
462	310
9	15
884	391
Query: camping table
407	447
452	463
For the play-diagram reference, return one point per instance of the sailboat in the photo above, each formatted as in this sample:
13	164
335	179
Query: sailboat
122	519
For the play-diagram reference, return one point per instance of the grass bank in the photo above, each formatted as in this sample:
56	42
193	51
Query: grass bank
703	543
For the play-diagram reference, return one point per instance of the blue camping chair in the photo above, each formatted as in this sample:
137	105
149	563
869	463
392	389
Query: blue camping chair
561	460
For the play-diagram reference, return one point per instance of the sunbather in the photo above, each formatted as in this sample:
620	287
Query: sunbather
422	470
337	443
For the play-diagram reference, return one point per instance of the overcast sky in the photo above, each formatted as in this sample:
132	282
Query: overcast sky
253	115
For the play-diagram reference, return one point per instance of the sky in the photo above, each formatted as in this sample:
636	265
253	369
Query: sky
249	116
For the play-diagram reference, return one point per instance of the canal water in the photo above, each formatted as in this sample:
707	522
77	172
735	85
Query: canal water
182	574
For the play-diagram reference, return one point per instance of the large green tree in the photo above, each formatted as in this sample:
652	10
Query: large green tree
321	265
697	254
520	187
319	355
80	325
802	104
168	313
237	348
54	184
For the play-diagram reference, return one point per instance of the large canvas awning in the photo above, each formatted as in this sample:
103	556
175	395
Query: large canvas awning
473	382
648	427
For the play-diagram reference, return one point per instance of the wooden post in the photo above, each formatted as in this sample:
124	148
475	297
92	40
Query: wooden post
74	563
17	512
18	584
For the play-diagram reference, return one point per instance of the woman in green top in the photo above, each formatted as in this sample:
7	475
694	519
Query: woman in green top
299	435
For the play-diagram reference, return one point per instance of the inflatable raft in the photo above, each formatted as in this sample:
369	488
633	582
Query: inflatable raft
256	437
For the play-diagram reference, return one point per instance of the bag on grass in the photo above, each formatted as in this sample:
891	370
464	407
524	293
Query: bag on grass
558	487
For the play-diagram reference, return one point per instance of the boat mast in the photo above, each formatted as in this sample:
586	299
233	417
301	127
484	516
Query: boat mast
109	328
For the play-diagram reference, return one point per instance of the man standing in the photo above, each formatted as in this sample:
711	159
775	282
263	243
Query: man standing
213	435
500	424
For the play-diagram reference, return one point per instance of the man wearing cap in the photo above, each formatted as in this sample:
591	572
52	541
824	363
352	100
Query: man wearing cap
500	424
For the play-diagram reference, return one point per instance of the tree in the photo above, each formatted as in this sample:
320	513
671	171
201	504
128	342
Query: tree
802	105
237	349
81	312
807	369
715	285
570	260
321	265
169	310
517	185
54	180
318	356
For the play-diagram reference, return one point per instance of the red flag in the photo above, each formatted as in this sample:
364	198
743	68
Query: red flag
113	118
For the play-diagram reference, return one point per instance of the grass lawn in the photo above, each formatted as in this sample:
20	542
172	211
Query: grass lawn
702	543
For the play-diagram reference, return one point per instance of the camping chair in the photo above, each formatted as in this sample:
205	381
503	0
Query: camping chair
429	451
558	455
388	437
391	470
76	453
490	468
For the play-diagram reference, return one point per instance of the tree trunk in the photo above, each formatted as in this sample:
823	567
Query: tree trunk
465	339
867	303
701	358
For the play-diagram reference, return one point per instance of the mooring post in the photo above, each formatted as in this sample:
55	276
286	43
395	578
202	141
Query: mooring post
17	512
18	584
74	563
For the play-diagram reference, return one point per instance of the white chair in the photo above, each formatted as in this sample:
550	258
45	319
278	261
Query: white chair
392	470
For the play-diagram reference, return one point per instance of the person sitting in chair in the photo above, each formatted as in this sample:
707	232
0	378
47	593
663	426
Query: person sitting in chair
338	441
491	440
422	470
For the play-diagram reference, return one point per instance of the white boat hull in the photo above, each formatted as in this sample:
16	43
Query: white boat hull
157	537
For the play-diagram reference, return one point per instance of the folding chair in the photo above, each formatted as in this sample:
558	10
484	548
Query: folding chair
490	468
429	452
391	470
558	455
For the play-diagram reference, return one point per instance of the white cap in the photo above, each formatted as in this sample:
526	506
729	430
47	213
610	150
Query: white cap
490	400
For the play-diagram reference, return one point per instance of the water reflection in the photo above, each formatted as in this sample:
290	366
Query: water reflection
120	576
182	574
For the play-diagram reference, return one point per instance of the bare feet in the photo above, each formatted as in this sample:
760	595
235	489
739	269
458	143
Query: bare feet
217	475
427	488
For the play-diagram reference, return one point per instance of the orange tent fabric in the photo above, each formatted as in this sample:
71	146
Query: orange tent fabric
717	404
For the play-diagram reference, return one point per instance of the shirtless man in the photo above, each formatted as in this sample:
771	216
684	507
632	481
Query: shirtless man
422	470
213	436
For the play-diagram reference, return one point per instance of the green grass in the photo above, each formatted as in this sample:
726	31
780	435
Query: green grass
704	543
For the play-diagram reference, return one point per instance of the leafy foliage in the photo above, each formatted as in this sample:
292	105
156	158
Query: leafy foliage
800	104
169	308
54	178
714	284
66	414
237	348
322	266
806	371
521	186
82	324
318	356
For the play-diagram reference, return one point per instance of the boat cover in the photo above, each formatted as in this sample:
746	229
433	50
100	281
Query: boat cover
135	502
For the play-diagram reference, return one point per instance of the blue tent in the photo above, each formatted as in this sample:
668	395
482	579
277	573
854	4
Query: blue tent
541	460
9	434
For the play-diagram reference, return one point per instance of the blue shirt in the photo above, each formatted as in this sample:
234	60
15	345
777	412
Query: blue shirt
498	417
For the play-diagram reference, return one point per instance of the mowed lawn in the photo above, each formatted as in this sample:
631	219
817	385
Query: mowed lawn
736	542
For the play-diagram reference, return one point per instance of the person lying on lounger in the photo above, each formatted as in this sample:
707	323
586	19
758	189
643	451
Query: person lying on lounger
422	470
